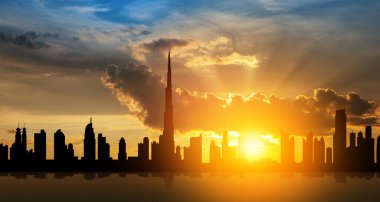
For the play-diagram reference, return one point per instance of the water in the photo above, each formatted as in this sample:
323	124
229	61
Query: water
192	187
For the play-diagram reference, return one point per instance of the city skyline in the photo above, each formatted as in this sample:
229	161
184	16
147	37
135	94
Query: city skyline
232	65
164	153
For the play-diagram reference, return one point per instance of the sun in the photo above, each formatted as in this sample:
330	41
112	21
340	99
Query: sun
254	148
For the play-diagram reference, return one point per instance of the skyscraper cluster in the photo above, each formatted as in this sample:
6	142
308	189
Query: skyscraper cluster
359	154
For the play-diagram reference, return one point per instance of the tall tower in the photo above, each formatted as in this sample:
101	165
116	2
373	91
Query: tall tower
24	138
89	143
339	139
168	133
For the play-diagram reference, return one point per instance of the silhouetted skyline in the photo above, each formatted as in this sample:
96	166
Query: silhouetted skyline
163	155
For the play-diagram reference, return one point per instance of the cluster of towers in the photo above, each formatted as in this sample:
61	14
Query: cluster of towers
358	155
162	151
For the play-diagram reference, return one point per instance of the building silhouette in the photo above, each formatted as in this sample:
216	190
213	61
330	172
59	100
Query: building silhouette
164	150
329	156
378	150
307	150
63	152
103	148
3	152
214	153
319	151
241	148
193	153
122	155
24	139
339	139
40	146
143	150
89	143
59	146
17	150
287	149
228	152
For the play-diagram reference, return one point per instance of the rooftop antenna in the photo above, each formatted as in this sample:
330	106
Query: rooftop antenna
18	125
90	119
24	125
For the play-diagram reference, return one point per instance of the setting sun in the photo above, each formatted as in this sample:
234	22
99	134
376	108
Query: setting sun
254	148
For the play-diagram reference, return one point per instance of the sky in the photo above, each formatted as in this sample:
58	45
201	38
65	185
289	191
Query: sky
258	67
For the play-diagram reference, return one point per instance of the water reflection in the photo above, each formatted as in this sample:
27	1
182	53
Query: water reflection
190	186
168	177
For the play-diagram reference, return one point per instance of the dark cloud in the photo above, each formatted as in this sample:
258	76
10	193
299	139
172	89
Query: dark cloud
27	40
142	91
140	88
163	44
32	39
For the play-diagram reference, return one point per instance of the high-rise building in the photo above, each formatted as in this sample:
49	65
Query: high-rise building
24	142
59	146
164	150
319	151
122	155
103	148
241	148
329	151
226	156
378	150
193	153
369	147
143	149
89	143
17	151
287	149
70	152
339	138
3	152
40	146
214	153
307	149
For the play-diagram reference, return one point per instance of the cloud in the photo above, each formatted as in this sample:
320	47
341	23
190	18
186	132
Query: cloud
87	9
234	58
194	53
27	40
142	91
163	44
32	39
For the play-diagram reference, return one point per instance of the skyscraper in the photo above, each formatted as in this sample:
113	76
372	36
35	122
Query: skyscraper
164	150
143	149
103	148
369	147
319	151
17	151
339	139
59	146
214	152
307	149
193	153
287	149
89	143
122	155
3	152
40	146
24	139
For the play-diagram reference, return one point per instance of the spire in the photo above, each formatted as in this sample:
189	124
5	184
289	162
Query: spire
169	77
90	119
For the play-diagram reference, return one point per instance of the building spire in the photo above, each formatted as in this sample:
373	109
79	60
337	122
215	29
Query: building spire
169	77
